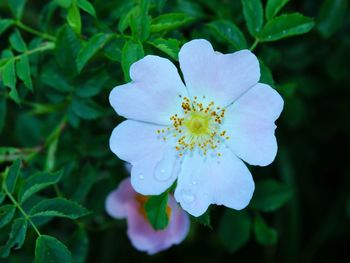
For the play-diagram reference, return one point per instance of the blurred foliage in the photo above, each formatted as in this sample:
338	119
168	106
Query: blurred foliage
59	61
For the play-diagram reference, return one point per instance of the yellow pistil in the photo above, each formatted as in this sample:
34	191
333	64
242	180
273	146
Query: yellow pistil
198	127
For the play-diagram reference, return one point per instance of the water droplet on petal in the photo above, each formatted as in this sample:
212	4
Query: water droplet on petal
187	196
166	167
141	177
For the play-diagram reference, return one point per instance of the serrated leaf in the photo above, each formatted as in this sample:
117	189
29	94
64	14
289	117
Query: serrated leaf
235	229
170	21
331	16
49	249
132	52
270	195
17	42
140	21
113	49
67	47
36	183
286	26
171	46
228	32
3	110
91	48
16	238
53	78
8	75
273	7
12	175
73	18
156	211
64	3
23	71
6	214
86	108
254	15
266	75
124	21
5	24
58	207
87	7
264	234
16	7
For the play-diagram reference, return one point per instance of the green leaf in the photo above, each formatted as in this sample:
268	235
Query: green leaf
273	7
228	32
264	234
270	195
17	42
140	21
12	175
37	182
92	86
5	24
9	153
58	207
87	7
113	49
8	74
286	26
170	46
23	71
2	197
64	3
331	16
204	219
16	7
91	48
170	21
124	21
254	15
67	47
266	75
3	108
16	238
52	78
79	245
131	53
49	249
6	214
235	229
86	108
73	18
156	211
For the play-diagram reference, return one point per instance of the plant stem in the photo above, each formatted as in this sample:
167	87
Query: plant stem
47	46
14	201
34	32
256	42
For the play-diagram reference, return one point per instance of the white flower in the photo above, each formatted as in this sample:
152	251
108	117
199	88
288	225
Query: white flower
200	132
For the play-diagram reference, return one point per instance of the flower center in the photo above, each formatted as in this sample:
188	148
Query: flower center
198	127
197	123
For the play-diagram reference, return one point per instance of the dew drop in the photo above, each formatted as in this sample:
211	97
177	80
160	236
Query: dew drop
187	196
165	168
141	177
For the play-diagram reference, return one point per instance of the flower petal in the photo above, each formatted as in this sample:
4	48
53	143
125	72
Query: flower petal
153	94
138	143
250	124
220	77
145	238
206	180
118	199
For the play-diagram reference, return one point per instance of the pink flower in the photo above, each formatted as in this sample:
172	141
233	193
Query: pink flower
124	202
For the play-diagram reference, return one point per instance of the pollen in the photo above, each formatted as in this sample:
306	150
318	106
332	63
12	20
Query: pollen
198	127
